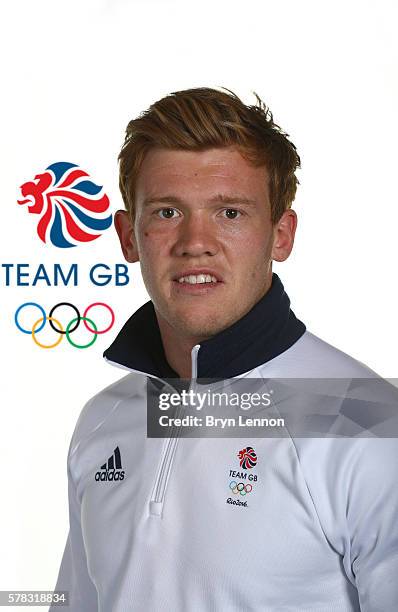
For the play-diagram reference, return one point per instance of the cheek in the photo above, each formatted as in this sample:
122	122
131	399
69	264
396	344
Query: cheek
150	244
253	252
253	258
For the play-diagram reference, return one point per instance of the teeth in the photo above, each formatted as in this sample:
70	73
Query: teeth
198	279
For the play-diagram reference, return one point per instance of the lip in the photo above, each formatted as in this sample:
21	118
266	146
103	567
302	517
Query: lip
197	289
196	272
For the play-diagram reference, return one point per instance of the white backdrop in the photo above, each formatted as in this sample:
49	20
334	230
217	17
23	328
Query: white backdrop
73	73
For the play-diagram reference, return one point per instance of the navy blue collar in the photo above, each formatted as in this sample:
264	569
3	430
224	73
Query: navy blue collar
266	331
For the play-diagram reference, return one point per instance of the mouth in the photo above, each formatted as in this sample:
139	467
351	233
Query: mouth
197	281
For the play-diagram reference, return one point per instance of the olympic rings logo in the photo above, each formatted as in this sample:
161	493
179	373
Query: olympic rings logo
57	326
240	487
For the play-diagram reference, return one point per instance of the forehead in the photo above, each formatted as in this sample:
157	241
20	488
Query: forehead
184	173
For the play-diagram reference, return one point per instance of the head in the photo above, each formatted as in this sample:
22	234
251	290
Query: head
208	183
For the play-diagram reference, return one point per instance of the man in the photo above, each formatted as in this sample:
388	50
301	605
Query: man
208	184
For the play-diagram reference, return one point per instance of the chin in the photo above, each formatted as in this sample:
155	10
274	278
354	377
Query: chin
202	326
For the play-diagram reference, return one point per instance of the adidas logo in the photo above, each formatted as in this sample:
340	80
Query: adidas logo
112	469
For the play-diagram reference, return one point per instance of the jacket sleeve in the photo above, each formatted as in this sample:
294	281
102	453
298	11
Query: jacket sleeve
372	518
73	575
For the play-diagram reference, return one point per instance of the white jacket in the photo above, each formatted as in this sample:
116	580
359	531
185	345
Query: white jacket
316	531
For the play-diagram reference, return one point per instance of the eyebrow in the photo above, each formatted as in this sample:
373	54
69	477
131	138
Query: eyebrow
219	198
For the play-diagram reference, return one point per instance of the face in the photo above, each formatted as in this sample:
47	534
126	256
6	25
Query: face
204	237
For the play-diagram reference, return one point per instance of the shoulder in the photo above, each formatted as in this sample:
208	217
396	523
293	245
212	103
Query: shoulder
98	409
312	357
353	465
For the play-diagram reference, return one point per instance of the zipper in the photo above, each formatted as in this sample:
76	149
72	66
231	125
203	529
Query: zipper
157	500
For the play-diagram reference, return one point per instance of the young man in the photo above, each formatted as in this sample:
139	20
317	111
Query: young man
208	184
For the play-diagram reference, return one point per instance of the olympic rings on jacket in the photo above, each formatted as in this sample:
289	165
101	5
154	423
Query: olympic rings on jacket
240	487
57	326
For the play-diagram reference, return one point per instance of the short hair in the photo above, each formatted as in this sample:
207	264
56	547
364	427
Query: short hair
203	118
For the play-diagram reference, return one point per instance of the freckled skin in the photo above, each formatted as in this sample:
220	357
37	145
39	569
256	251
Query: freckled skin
199	233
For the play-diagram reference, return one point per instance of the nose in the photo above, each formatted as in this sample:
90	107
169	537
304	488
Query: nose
196	237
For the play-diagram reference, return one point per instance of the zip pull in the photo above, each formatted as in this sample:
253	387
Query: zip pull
194	362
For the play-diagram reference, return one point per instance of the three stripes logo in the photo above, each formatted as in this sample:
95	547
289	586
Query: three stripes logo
112	469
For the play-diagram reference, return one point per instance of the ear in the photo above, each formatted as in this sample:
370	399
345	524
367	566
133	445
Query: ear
284	232
125	231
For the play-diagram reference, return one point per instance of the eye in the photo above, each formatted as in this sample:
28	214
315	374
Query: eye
166	213
231	213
